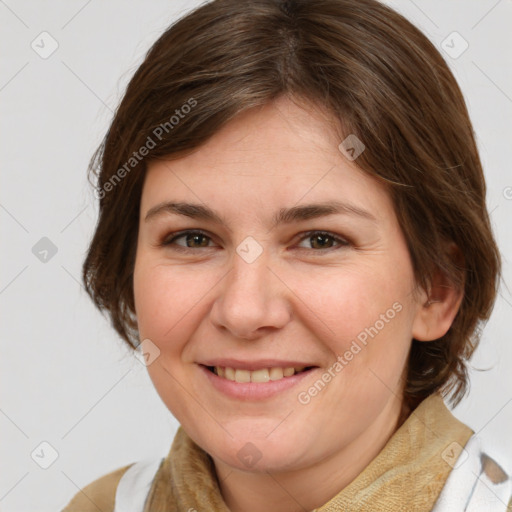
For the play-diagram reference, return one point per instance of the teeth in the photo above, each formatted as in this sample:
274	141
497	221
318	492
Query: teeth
262	375
276	373
242	376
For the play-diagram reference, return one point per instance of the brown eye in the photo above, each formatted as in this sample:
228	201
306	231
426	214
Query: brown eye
193	240
323	240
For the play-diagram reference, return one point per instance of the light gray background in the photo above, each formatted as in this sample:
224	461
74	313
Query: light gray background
66	377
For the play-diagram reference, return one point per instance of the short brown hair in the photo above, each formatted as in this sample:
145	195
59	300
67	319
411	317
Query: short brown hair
373	71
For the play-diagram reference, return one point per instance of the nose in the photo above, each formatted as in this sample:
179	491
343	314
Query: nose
252	300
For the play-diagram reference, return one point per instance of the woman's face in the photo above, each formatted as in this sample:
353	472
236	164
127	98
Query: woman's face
265	281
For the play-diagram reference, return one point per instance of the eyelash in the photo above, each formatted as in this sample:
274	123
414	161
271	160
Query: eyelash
169	240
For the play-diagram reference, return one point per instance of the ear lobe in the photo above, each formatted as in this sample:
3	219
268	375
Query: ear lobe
437	308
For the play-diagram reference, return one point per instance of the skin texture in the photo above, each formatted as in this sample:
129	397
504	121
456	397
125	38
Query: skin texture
297	300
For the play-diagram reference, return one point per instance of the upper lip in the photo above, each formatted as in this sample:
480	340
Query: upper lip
254	365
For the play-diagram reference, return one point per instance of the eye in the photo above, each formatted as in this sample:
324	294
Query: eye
193	240
323	240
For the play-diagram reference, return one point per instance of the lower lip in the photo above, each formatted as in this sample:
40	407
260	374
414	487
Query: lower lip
253	390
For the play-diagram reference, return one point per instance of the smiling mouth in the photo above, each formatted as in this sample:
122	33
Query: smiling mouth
261	375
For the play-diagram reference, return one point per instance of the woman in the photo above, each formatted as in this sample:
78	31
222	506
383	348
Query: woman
293	234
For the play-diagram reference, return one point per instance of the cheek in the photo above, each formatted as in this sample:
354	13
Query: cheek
162	299
366	316
347	302
170	301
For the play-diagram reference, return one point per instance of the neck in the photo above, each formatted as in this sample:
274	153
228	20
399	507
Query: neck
313	486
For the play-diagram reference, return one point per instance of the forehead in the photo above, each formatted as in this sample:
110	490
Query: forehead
276	155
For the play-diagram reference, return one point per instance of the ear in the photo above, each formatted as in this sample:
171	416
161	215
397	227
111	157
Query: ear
438	306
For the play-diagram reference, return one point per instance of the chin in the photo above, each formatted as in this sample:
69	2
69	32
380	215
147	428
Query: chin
259	452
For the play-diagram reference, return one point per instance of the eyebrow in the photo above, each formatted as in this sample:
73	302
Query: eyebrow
284	216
